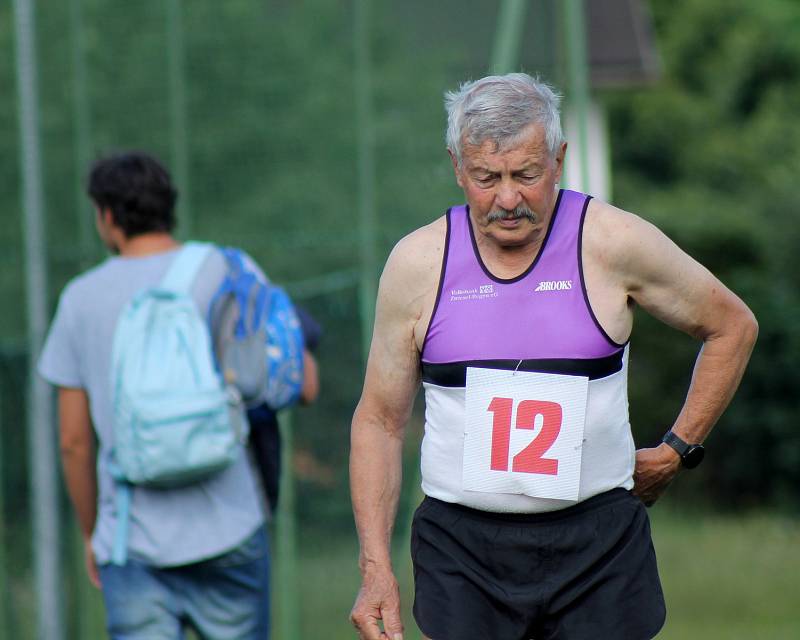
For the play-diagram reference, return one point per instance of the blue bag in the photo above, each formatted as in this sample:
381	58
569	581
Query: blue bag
258	337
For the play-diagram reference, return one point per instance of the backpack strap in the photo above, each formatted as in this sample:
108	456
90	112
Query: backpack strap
119	548
185	266
240	283
244	280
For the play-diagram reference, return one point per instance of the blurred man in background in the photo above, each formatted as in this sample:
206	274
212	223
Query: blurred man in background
197	556
515	313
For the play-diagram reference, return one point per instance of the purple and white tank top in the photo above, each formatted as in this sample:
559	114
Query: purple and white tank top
540	321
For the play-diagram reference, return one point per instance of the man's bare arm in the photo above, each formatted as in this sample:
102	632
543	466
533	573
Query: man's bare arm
310	389
680	292
377	432
378	427
78	460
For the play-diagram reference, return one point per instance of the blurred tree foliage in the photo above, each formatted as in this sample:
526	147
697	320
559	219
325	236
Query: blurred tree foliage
712	156
270	116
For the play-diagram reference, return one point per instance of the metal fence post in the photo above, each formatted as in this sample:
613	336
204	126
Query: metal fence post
177	115
286	542
4	602
365	137
82	118
578	80
41	434
508	36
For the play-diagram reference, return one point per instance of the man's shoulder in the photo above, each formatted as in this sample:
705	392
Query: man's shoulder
420	248
626	247
609	228
85	283
413	267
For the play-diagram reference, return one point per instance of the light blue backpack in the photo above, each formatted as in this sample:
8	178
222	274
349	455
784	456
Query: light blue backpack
176	420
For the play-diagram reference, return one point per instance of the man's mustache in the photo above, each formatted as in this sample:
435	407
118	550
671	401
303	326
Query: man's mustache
520	211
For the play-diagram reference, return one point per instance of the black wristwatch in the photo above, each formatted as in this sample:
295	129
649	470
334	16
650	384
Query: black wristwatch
691	454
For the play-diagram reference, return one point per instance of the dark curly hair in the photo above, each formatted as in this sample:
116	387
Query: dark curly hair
137	190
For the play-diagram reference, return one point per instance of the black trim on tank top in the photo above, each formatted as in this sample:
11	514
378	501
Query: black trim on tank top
602	331
454	374
530	268
441	279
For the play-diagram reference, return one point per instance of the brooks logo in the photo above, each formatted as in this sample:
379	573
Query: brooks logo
554	285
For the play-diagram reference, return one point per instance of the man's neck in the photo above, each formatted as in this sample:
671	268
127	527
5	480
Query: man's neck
146	244
508	261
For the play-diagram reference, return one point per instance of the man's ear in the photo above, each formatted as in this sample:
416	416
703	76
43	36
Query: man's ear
105	216
100	213
456	168
560	156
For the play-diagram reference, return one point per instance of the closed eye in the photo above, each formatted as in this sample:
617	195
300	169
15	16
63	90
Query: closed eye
485	181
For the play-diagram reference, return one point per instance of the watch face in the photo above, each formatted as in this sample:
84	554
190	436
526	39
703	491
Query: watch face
693	456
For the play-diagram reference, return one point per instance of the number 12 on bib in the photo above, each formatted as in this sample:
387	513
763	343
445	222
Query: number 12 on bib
524	433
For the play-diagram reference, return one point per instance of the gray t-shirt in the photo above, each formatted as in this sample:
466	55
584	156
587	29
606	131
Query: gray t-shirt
167	526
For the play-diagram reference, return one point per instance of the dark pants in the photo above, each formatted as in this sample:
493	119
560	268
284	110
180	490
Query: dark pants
587	572
265	444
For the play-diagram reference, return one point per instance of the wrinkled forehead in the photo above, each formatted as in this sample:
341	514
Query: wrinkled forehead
529	143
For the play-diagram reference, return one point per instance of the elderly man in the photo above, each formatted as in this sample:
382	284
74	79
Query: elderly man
515	313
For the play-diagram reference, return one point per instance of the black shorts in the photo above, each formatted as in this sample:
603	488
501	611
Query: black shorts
587	572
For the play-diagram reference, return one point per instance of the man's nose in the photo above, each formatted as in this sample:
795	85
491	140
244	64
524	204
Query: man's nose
508	196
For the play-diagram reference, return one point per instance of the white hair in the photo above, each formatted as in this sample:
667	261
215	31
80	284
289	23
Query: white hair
498	108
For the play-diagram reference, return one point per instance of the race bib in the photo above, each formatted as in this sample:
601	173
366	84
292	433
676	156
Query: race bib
524	433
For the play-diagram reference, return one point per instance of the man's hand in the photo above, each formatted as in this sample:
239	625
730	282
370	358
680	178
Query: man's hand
378	599
655	469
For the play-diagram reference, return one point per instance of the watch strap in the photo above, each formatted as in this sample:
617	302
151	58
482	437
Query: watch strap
677	443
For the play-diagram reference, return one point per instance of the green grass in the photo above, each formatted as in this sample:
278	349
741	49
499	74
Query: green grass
729	578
